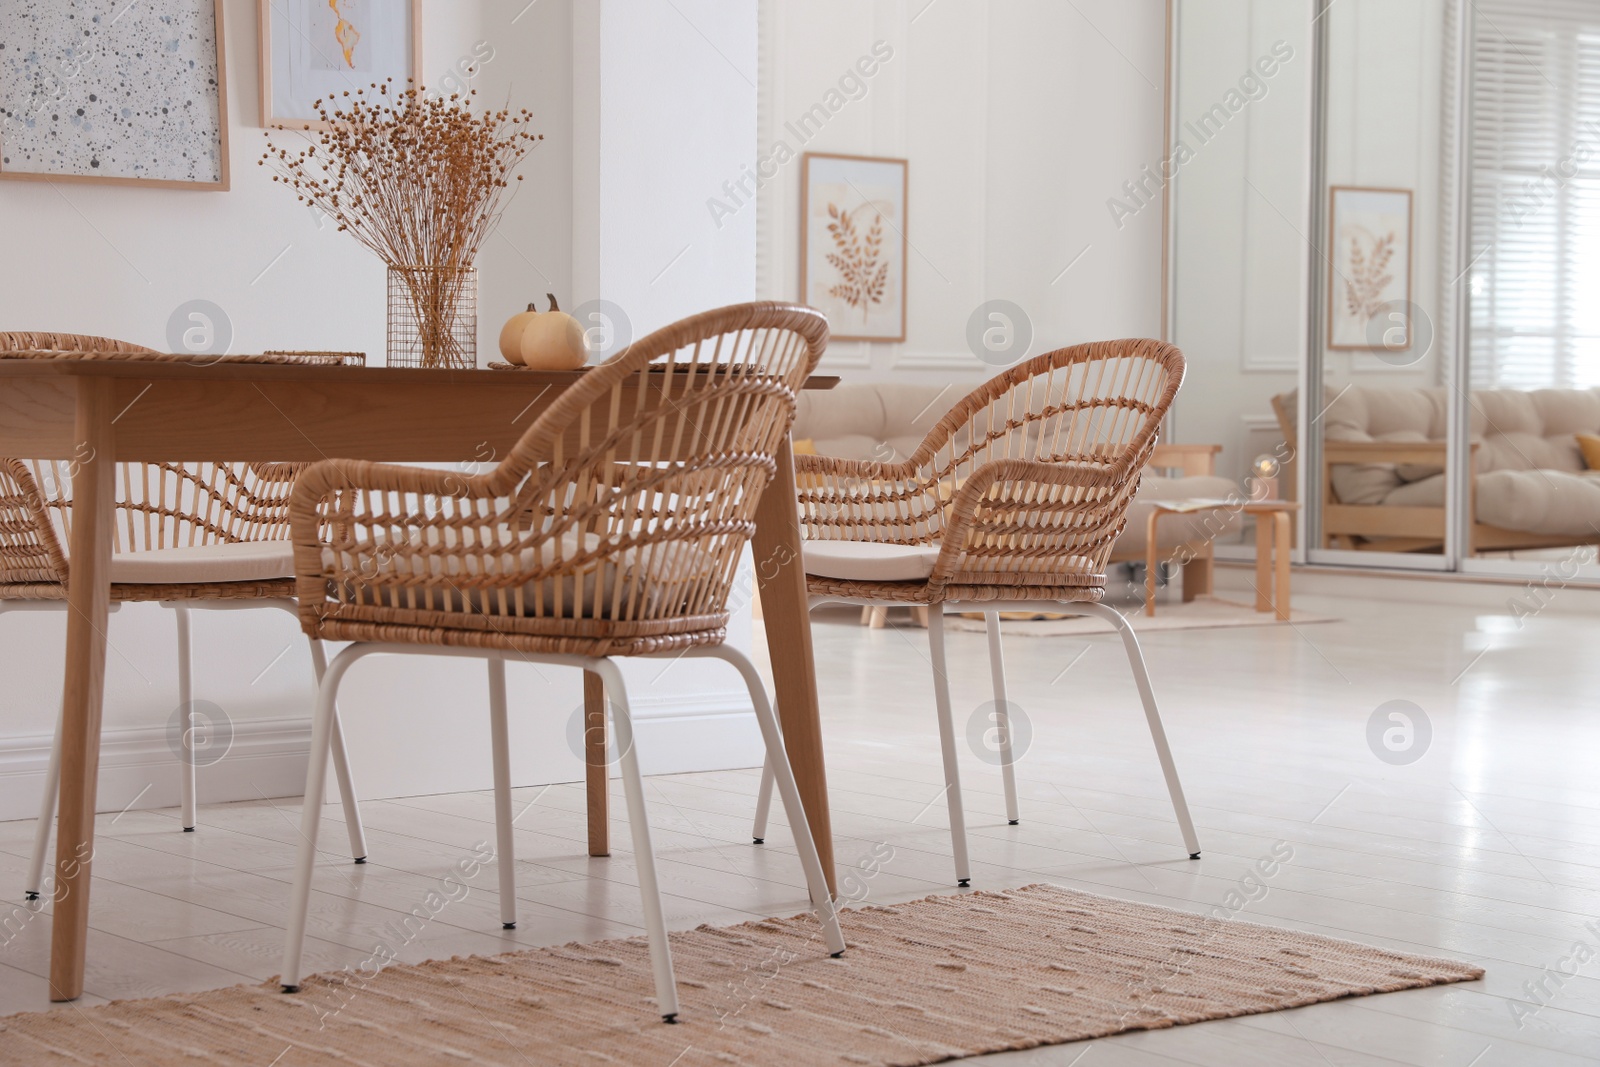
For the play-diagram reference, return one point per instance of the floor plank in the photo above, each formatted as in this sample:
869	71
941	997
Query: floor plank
1486	849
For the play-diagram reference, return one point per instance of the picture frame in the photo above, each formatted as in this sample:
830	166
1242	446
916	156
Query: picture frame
296	71
1369	242
851	269
116	105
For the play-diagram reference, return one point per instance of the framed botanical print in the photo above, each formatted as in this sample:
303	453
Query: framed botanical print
317	49
853	244
138	99
1369	285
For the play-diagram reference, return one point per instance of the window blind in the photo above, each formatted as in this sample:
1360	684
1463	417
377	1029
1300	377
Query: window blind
1534	279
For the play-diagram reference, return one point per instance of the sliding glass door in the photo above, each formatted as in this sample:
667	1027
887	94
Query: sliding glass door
1532	270
1378	416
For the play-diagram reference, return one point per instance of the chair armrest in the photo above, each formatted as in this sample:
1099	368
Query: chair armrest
33	553
375	532
1018	516
860	500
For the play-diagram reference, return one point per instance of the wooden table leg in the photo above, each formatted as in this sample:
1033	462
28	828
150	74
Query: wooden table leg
88	601
1280	548
1198	574
1150	564
781	574
596	772
1264	539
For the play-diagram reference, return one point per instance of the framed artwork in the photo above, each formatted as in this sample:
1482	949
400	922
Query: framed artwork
135	96
853	244
315	49
1369	287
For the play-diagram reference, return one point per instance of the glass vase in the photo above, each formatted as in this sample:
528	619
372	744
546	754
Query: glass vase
433	317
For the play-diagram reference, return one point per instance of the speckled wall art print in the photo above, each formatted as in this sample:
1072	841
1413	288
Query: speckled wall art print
313	50
125	91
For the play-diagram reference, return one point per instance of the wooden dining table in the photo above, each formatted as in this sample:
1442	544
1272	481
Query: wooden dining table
94	413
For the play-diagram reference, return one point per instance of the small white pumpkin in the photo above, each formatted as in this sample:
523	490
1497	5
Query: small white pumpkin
544	340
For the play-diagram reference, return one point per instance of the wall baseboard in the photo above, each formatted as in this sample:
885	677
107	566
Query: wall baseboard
267	758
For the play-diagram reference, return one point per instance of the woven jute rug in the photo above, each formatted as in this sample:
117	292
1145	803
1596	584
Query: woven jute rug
936	979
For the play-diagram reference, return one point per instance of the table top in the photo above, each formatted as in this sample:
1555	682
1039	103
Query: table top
245	368
205	407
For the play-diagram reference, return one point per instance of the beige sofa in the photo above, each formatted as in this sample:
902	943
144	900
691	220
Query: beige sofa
1384	456
887	421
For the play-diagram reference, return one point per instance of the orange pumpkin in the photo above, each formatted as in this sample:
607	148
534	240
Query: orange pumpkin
544	340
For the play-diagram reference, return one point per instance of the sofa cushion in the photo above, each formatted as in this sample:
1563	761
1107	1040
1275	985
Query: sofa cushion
1552	502
867	561
1589	445
1529	471
884	423
1423	493
248	561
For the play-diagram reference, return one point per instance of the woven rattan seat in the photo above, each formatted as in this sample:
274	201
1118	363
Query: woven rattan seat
1016	496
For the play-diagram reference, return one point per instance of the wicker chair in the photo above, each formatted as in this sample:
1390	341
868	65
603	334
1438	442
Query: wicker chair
613	528
1012	501
192	535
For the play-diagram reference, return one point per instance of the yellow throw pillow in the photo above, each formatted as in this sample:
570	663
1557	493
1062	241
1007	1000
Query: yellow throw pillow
1590	445
803	446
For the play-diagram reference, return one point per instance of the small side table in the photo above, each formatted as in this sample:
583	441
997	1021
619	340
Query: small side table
1273	525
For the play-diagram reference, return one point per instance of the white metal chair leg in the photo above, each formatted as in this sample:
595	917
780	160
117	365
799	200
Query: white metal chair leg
778	762
643	853
311	813
1002	714
1141	678
186	710
341	766
947	744
505	850
763	802
47	818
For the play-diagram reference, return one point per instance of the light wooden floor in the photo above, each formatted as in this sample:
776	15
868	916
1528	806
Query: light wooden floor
1487	849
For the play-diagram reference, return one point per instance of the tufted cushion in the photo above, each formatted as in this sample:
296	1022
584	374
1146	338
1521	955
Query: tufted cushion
1541	502
250	561
1530	473
884	423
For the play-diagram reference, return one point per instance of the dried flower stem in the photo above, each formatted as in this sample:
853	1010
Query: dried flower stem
420	180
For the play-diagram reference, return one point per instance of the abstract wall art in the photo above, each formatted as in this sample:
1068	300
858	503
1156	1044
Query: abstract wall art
110	91
318	49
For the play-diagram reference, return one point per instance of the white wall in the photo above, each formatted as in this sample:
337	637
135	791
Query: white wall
1240	218
1019	119
1384	108
117	261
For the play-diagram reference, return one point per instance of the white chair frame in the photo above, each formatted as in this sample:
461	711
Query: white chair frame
181	608
947	739
324	730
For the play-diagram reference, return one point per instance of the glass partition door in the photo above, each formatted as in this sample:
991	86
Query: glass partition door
1533	273
1379	404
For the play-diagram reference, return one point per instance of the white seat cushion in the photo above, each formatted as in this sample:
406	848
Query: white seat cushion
867	561
248	561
